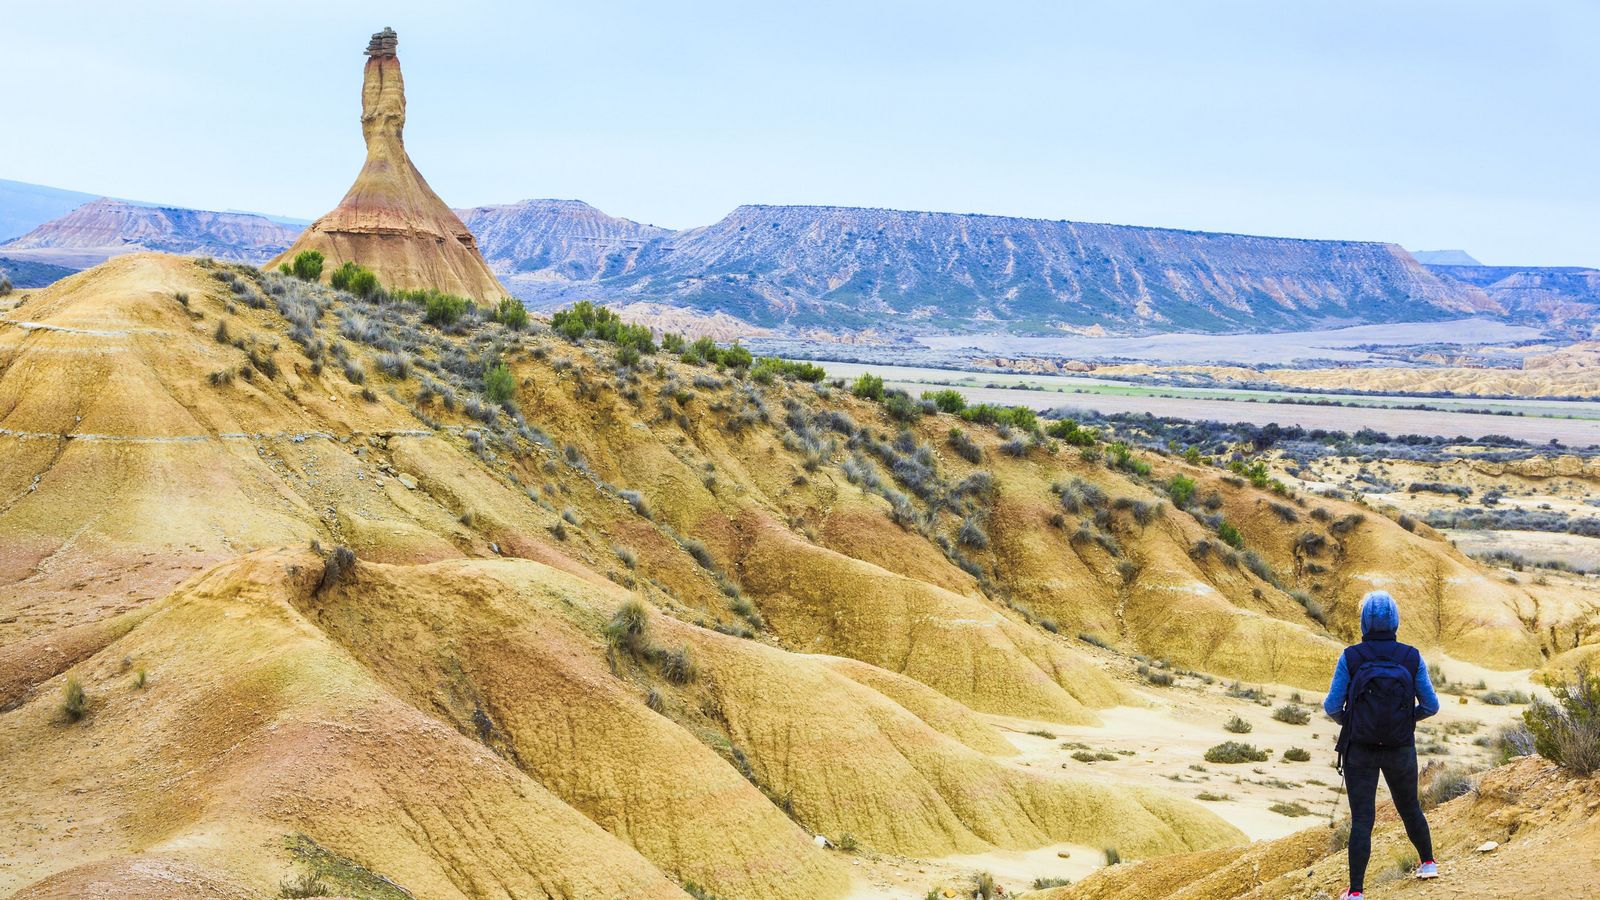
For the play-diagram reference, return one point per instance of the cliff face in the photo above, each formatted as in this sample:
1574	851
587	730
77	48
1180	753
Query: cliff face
390	220
558	239
106	228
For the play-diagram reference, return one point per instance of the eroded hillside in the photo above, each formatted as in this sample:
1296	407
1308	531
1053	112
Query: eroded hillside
613	623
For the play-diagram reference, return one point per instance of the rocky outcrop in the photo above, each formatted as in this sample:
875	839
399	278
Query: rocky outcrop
390	220
105	228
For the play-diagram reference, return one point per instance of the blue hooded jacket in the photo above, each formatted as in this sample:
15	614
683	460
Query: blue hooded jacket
1380	619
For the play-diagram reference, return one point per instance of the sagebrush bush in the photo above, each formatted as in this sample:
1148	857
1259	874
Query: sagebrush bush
1568	730
1292	714
1235	752
1238	725
1297	754
1447	784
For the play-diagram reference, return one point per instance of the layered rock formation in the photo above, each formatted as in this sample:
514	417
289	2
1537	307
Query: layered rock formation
390	220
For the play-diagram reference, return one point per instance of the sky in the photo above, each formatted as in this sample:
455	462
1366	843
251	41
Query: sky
1435	124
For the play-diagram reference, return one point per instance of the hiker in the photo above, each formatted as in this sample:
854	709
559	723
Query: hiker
1380	691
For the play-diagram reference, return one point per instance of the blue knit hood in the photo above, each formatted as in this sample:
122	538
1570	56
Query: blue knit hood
1379	613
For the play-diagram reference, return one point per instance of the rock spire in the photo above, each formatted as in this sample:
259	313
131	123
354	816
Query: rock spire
390	220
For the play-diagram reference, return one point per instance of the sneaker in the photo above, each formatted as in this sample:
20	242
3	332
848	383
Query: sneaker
1350	895
1429	869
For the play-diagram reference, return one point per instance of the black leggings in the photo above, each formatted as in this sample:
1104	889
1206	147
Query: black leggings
1399	768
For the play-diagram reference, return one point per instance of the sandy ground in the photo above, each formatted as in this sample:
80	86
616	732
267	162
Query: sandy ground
1285	347
1574	550
1162	745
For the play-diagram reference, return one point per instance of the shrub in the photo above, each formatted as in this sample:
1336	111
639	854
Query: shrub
848	843
637	501
1510	741
74	702
677	666
1501	698
1238	726
1313	609
306	884
1112	856
1292	810
868	387
900	406
972	534
307	265
1181	489
1297	754
626	555
511	313
499	385
443	309
1292	714
337	567
1568	730
1448	783
768	367
395	365
1068	432
5	286
1230	535
1040	884
964	447
947	400
586	319
629	628
1212	798
354	278
1235	752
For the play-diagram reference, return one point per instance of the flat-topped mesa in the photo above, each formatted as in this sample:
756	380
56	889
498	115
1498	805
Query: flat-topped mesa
390	220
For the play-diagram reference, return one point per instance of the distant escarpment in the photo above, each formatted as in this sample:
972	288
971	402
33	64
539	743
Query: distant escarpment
844	268
105	228
1565	297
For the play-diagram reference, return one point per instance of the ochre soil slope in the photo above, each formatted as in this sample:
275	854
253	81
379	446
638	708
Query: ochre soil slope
183	445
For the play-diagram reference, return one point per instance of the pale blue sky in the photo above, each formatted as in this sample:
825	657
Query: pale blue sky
1432	123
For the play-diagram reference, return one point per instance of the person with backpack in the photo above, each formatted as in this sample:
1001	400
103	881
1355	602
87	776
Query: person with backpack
1380	691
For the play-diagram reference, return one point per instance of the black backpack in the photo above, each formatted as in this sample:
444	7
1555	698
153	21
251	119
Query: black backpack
1380	708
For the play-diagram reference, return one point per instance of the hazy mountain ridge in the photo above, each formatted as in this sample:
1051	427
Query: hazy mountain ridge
106	227
565	240
847	267
843	268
